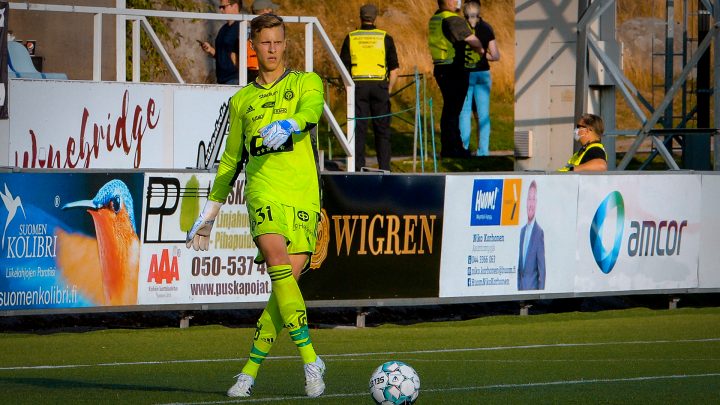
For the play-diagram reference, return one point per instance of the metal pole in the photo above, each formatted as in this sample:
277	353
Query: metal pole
685	40
424	107
120	43
607	92
136	50
309	47
243	39
696	151
669	56
97	47
716	83
581	51
417	110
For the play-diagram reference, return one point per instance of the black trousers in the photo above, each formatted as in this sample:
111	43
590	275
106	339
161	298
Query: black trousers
372	99
453	83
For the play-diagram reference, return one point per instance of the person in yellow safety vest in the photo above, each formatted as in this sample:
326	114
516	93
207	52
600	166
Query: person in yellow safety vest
370	56
448	35
591	156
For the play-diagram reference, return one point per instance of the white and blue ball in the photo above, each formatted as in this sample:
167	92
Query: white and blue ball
394	383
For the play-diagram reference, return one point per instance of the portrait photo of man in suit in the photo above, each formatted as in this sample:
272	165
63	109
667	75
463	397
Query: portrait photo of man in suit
531	259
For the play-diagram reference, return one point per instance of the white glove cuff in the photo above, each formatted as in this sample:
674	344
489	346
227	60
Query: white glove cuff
295	126
211	209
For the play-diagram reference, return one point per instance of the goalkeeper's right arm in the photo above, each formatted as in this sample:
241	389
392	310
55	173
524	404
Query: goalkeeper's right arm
199	235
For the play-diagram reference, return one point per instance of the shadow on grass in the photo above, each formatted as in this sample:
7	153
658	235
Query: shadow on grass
56	383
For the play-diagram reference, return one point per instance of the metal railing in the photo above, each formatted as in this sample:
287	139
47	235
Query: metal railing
139	19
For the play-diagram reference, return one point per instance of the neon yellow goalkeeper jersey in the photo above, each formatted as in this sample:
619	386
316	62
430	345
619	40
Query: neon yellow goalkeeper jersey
289	175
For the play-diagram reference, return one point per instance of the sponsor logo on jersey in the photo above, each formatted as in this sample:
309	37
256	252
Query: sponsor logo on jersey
303	216
269	104
267	94
258	149
249	110
280	111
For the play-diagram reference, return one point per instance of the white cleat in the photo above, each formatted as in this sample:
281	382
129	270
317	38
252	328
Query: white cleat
243	387
314	372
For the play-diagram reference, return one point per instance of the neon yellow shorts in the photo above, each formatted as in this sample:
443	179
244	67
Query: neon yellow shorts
297	225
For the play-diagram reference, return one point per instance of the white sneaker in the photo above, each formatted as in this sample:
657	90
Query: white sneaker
243	386
314	384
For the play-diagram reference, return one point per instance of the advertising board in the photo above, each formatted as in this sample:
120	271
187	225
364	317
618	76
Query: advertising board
506	235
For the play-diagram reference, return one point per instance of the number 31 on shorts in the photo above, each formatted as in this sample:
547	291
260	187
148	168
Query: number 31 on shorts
263	213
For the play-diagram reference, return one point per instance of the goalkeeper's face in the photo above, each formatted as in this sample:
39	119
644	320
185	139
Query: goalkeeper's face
269	44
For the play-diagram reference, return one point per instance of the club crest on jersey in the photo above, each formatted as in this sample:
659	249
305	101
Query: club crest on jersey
289	95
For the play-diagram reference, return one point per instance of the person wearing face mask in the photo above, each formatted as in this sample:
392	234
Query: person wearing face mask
591	156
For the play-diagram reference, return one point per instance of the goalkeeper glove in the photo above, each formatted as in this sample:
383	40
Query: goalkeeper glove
199	235
276	133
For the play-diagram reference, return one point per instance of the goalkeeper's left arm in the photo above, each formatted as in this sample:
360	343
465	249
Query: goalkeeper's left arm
310	107
306	117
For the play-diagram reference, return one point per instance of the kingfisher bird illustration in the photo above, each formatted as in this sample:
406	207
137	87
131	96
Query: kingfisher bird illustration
11	204
118	245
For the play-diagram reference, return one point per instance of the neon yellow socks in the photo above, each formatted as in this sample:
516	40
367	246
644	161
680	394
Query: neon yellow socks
266	331
292	309
285	308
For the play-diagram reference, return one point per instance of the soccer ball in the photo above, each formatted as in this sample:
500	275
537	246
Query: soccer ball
394	383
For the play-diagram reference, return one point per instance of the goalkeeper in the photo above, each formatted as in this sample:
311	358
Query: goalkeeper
271	119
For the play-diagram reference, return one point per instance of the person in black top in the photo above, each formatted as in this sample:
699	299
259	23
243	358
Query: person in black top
227	46
480	83
370	56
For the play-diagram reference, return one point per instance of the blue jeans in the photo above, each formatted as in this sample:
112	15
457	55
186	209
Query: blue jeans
479	90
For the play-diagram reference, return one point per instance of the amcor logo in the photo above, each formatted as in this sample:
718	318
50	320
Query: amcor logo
604	258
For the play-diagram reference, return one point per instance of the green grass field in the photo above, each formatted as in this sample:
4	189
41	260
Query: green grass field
627	356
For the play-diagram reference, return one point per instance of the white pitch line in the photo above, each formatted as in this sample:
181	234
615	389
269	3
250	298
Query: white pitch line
418	360
475	388
341	355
